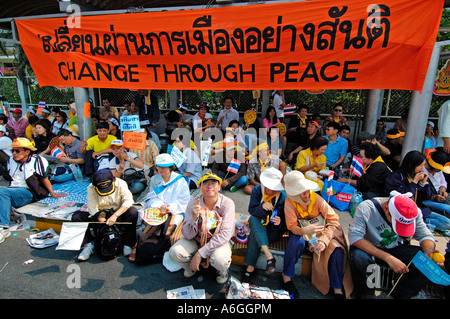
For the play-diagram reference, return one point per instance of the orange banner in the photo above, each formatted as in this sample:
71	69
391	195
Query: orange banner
321	44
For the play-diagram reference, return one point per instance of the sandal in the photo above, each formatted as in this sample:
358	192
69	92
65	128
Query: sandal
270	268
132	256
248	277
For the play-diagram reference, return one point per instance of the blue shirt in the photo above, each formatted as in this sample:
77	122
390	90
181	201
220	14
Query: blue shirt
335	150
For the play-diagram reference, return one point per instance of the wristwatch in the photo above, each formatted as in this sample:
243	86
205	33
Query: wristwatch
117	214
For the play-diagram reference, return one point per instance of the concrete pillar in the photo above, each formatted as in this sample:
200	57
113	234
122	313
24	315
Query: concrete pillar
420	107
373	107
84	124
173	100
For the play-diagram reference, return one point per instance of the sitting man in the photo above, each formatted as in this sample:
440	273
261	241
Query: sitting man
258	164
121	161
234	177
201	242
394	144
381	230
27	172
73	155
104	193
337	146
371	183
95	147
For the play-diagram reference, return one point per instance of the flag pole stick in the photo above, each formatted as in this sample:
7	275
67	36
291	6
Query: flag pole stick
395	285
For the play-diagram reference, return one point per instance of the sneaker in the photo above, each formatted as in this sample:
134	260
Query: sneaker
188	273
248	277
4	233
222	278
86	252
233	189
127	250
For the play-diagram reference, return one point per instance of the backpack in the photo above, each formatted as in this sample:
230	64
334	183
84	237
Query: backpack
108	242
151	248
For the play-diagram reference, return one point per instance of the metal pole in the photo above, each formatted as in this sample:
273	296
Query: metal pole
420	106
84	123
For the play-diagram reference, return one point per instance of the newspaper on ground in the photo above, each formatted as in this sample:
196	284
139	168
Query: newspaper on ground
238	290
187	292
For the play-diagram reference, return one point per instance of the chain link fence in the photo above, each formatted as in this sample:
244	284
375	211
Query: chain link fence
395	103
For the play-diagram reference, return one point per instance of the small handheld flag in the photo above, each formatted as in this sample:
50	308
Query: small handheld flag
330	187
234	166
289	109
57	152
357	166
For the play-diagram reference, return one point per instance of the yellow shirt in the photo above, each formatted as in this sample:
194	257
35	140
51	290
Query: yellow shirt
304	158
94	143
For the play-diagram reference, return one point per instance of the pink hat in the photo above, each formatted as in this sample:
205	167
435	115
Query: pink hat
404	212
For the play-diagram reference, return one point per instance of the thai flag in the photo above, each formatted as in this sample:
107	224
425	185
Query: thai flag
234	166
330	188
357	166
41	106
289	109
57	152
1	73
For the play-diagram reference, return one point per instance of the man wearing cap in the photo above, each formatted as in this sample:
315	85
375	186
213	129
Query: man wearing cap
104	193
309	216
122	161
206	241
18	123
29	182
266	222
380	234
201	116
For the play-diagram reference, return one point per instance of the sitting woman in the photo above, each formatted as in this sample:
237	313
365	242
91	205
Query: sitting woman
60	123
271	118
312	159
308	216
44	136
169	192
266	222
412	179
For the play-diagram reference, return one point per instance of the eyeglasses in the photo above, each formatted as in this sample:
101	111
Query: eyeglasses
338	110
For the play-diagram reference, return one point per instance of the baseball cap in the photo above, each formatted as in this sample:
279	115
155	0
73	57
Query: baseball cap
103	181
164	160
404	212
17	111
116	143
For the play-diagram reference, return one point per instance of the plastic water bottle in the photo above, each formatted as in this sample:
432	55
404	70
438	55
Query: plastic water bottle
274	214
76	171
314	242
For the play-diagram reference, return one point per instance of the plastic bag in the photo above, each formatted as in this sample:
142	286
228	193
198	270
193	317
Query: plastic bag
357	199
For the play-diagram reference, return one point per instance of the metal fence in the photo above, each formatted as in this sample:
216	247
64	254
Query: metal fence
395	102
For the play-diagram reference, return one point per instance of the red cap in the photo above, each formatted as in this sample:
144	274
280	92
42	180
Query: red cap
17	111
404	212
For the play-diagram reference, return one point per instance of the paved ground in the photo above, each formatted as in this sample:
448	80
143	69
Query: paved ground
52	272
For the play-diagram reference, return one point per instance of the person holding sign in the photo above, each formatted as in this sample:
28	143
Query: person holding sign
309	217
380	235
192	166
207	230
123	162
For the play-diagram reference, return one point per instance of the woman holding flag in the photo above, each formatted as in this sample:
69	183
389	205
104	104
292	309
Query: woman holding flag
370	174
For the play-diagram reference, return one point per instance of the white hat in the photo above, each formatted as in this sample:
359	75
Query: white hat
271	179
3	128
164	160
295	183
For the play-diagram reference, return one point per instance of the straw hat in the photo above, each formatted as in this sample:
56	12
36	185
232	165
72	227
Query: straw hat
24	143
295	183
271	179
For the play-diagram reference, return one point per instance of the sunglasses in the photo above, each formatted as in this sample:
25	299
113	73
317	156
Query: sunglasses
15	150
338	110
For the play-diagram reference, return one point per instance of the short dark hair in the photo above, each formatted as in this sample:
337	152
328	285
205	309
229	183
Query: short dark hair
334	125
64	132
344	127
303	106
102	124
318	143
371	151
228	98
